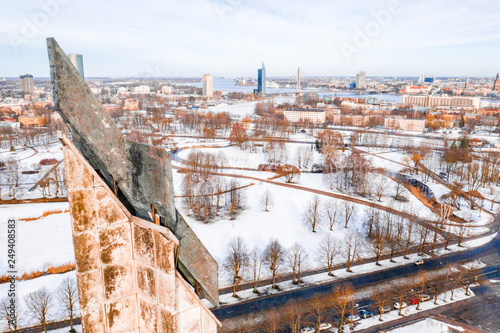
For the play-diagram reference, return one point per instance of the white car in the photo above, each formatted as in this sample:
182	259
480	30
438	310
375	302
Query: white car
354	318
308	330
424	298
325	326
397	306
419	262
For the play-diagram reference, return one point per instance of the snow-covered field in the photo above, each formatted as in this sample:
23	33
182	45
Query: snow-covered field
41	243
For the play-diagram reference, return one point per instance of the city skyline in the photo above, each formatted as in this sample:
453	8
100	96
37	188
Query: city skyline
168	39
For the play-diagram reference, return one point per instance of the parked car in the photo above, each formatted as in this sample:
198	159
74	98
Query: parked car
354	318
325	326
386	308
424	298
397	305
413	301
419	262
308	330
365	313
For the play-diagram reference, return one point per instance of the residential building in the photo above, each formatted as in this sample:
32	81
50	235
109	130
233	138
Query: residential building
27	83
208	85
404	124
433	101
294	115
167	90
32	121
415	90
131	104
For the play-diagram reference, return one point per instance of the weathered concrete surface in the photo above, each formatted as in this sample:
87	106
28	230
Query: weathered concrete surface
126	272
143	173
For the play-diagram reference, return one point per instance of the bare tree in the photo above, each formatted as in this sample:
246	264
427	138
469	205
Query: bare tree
255	265
296	258
409	223
470	276
13	175
342	298
380	187
377	240
67	294
463	231
293	314
273	321
423	233
373	216
382	297
421	279
328	249
312	214
400	292
435	229
454	277
288	172
348	211
304	155
393	236
273	257
398	187
267	200
236	261
351	247
319	306
39	305
11	314
331	209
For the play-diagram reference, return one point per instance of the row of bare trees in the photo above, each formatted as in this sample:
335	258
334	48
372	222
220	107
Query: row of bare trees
242	264
329	213
41	307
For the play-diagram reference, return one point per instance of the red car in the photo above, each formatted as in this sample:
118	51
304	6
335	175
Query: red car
413	301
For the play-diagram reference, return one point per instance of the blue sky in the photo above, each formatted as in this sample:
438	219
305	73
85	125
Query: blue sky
232	37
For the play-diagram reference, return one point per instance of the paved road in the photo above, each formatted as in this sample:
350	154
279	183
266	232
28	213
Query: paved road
244	308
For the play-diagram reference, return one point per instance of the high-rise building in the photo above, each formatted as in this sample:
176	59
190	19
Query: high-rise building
27	83
261	81
77	61
361	80
208	85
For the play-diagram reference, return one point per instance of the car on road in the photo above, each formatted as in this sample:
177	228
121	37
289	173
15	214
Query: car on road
413	301
365	313
424	298
308	330
401	305
419	262
325	326
353	318
385	309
